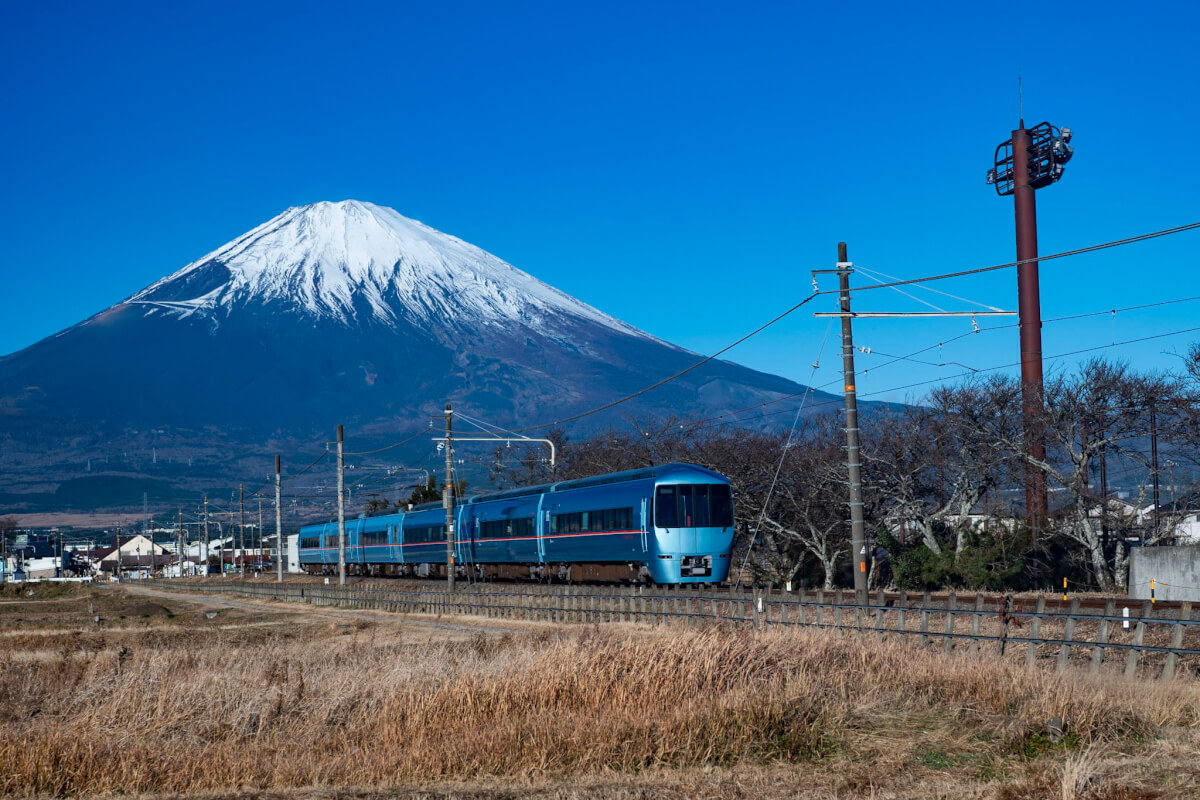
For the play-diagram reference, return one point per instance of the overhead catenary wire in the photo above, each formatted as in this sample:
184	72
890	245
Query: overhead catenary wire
1078	251
783	456
670	378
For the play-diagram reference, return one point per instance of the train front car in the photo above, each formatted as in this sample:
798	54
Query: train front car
693	525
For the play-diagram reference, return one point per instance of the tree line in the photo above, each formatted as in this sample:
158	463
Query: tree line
942	480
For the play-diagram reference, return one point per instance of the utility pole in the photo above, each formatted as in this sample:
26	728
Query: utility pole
260	530
204	572
149	530
1154	461
179	544
242	526
1029	160
858	539
1103	491
117	568
278	525
448	502
341	492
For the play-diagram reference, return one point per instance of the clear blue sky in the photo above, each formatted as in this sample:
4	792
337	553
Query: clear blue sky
681	167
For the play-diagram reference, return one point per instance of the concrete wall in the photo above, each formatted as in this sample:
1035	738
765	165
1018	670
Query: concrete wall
1175	571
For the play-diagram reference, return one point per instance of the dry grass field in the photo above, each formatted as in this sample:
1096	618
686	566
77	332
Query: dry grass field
173	698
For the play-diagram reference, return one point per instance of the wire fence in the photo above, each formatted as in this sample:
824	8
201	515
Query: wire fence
1136	638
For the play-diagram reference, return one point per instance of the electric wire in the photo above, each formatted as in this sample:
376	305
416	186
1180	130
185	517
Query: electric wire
783	456
670	378
1078	251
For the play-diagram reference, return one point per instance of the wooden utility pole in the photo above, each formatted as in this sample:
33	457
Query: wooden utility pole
858	540
341	493
278	524
448	502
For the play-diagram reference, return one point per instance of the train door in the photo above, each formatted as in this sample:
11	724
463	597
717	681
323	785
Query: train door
543	529
399	549
645	525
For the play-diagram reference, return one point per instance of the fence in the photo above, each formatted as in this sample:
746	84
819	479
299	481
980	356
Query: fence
1153	638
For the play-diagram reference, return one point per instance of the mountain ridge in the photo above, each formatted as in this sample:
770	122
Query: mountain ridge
329	314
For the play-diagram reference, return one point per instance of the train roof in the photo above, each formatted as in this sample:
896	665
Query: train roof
660	471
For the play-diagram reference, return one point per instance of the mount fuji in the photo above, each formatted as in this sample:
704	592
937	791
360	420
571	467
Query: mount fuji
331	313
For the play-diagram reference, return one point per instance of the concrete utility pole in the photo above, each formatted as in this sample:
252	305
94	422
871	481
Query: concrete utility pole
179	544
260	530
117	566
858	539
205	549
448	502
278	524
242	526
341	492
1154	460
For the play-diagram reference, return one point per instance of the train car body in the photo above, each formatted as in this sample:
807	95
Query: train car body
672	524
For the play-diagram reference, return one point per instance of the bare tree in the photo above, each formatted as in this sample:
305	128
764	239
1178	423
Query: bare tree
929	467
1103	408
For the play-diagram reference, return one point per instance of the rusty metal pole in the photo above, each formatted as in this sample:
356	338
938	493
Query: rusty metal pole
858	539
1030	310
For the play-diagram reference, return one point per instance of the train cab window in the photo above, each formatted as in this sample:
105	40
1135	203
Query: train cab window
667	505
700	505
720	506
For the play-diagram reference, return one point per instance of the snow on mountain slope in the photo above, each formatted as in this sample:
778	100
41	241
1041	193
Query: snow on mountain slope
320	258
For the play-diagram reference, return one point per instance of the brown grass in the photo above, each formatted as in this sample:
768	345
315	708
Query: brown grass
366	705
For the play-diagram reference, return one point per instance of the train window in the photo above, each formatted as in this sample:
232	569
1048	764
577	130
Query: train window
309	544
700	496
602	521
331	541
374	537
700	505
720	504
667	506
424	534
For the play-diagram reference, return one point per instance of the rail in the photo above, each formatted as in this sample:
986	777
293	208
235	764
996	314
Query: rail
1153	638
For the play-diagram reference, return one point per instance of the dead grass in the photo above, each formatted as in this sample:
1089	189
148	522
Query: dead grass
190	709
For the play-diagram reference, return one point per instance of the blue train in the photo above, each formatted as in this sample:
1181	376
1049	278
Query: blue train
671	524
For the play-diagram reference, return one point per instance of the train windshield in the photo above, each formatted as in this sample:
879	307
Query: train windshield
697	505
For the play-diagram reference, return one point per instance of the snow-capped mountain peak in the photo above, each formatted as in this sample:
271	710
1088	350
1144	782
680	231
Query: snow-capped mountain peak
342	260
